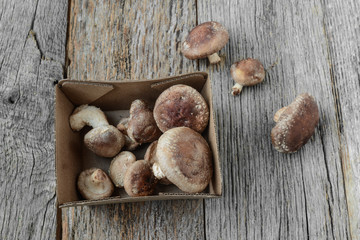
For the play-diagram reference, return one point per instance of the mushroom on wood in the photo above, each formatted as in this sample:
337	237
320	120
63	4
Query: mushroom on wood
205	40
295	124
247	72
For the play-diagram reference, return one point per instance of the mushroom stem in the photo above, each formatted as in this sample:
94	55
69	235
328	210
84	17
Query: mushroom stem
98	176
122	125
130	144
236	89
87	115
158	173
214	58
278	114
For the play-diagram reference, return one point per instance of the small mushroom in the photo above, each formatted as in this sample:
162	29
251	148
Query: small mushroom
94	184
247	72
181	106
205	40
104	140
139	179
150	156
295	124
119	166
140	127
185	158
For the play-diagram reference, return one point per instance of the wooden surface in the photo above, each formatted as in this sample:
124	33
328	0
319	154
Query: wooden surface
32	57
305	47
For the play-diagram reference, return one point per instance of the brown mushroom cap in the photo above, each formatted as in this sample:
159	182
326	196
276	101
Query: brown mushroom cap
150	156
204	40
248	72
185	158
139	179
181	106
105	141
119	166
94	184
296	124
141	126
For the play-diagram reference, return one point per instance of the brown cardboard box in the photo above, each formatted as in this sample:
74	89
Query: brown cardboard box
114	98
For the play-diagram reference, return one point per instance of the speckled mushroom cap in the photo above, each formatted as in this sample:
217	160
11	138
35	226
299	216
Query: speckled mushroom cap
296	124
139	179
181	106
204	40
104	141
94	184
185	158
118	167
247	72
142	127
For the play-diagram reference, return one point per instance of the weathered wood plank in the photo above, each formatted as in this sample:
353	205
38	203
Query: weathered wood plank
131	40
27	76
341	26
267	194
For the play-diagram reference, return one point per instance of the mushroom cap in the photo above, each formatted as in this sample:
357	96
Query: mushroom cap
296	124
150	156
104	141
141	126
248	72
139	179
181	106
94	184
87	115
185	158
118	167
204	40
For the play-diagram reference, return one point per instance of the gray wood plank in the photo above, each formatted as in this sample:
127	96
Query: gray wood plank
269	195
342	28
27	76
131	40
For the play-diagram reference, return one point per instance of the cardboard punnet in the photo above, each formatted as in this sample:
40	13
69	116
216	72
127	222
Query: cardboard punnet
115	98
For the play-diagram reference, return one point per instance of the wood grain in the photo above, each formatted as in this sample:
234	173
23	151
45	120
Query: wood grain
131	40
28	69
305	46
269	195
342	29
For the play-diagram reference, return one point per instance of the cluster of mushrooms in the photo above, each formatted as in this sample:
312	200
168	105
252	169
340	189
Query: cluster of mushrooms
178	154
295	124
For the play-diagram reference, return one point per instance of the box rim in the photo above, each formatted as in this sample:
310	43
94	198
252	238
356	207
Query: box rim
149	198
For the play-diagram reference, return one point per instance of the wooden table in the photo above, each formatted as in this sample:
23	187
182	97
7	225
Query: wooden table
306	46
